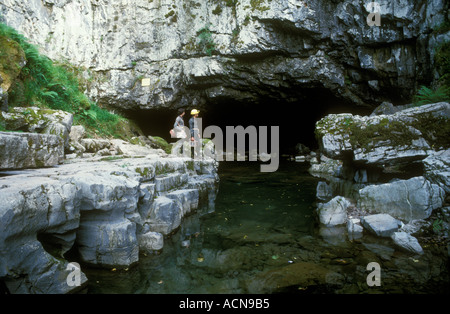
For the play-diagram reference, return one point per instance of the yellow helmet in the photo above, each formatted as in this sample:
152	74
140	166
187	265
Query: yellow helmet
194	112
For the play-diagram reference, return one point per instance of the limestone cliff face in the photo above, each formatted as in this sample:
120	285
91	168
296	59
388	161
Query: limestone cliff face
245	50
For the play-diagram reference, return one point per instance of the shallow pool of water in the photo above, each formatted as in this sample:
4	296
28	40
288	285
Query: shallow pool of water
262	237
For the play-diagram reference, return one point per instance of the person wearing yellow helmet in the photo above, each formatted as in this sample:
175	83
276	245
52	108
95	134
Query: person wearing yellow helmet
193	127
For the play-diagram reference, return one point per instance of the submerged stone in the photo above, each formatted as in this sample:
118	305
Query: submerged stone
382	225
407	242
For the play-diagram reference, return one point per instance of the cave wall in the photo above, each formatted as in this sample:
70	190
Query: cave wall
238	50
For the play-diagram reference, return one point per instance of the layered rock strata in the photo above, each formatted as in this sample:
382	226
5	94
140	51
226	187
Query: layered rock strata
244	50
384	172
103	212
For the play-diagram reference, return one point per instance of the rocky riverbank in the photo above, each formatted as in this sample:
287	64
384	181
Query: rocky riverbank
387	174
106	203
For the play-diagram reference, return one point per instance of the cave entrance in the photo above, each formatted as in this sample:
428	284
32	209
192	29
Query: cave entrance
296	119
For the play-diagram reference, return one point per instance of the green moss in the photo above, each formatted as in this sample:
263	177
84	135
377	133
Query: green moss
217	10
206	43
435	130
171	12
190	165
161	169
366	136
258	5
144	172
162	143
394	132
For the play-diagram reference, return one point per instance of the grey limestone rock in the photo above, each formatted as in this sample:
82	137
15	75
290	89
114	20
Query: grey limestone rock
382	225
107	210
409	199
407	242
333	212
30	150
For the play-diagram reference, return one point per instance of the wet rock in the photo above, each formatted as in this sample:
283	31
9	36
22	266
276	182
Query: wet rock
102	207
383	225
323	191
334	235
380	139
334	212
39	219
407	242
383	251
105	236
150	242
301	274
170	182
165	216
326	167
409	199
354	228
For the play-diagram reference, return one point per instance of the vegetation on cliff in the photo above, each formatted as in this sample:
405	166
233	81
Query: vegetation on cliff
427	95
44	83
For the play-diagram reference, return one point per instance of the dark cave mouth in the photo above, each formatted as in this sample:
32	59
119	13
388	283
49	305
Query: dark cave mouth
296	120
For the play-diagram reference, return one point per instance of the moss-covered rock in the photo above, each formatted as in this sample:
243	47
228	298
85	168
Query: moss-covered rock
38	120
406	135
30	150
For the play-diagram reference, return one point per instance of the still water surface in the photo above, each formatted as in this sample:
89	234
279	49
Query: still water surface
262	237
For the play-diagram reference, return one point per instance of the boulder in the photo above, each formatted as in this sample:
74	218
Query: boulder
37	120
407	242
387	139
30	150
165	215
323	191
354	228
127	149
333	212
150	242
409	199
106	237
383	225
437	169
39	218
92	145
326	167
77	133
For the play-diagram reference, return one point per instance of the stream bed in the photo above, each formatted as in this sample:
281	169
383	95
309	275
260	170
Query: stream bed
261	236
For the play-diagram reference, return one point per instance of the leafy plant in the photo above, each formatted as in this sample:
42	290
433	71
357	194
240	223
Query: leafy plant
426	95
206	42
437	225
47	84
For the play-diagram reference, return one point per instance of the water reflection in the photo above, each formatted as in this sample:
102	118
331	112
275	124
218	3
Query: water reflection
263	238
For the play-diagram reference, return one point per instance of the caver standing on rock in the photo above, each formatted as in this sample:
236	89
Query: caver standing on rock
178	126
195	133
179	131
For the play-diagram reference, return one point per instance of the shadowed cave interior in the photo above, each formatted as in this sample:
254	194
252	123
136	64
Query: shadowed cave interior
296	120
